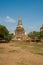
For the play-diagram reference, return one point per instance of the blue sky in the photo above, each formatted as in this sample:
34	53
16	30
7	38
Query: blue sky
31	12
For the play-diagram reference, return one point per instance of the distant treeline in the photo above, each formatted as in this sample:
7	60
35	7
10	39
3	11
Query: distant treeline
36	35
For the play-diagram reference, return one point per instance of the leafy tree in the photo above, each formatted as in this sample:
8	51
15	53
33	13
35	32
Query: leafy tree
34	35
41	35
3	32
10	36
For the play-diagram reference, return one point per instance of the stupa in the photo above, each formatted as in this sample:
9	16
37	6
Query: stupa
41	29
19	33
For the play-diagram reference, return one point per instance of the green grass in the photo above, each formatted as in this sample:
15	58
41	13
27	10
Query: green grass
1	59
13	51
21	63
39	53
34	48
1	47
20	44
1	50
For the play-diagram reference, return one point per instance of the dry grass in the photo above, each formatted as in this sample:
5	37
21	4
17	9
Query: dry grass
21	53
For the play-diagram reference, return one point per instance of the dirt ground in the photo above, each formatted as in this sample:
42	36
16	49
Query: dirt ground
15	55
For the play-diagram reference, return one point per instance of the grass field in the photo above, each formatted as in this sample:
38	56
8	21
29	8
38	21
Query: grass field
21	53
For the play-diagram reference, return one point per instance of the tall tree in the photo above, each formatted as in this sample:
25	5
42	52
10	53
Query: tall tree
3	32
34	34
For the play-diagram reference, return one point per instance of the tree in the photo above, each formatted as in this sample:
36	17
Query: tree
34	35
4	32
10	36
41	35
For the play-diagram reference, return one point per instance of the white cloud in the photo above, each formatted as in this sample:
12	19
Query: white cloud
9	19
31	28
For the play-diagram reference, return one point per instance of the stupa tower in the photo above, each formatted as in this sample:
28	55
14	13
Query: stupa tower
41	29
19	31
19	21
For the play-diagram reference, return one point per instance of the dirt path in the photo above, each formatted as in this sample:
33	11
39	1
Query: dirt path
18	56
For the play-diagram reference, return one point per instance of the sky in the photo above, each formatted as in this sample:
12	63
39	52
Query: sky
31	12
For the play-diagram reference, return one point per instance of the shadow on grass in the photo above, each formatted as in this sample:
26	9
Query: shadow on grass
21	63
39	53
2	50
14	51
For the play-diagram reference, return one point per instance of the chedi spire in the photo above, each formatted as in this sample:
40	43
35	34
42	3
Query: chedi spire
19	21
